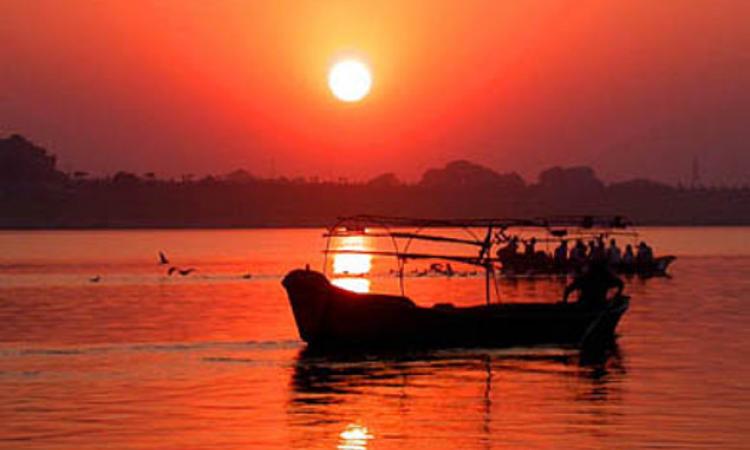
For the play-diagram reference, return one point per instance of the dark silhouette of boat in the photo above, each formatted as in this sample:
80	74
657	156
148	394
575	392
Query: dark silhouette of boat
329	316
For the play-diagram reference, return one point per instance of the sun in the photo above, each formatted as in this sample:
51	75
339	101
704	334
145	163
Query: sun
349	80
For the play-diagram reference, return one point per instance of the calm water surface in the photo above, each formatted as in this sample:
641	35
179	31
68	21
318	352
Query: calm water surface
212	360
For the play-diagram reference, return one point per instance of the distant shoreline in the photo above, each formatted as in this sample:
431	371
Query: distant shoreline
304	226
35	195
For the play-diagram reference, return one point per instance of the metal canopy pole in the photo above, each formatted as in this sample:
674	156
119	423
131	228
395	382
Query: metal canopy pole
487	284
486	256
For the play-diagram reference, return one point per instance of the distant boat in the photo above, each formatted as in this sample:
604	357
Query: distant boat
587	229
329	316
543	265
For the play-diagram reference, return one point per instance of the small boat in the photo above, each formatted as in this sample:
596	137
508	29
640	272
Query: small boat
587	230
543	265
330	316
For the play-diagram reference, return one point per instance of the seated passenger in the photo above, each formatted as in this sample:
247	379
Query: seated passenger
614	255
601	247
593	285
645	255
628	258
597	250
578	254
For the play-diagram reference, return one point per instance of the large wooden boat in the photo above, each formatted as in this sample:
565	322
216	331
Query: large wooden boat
327	315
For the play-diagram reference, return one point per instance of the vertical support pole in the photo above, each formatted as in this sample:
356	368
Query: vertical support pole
487	283
401	275
325	252
486	256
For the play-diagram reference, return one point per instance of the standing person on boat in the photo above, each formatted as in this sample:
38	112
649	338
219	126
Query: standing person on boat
530	247
578	254
628	258
508	253
561	255
530	260
593	285
614	255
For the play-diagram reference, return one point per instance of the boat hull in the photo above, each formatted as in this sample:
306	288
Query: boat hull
330	316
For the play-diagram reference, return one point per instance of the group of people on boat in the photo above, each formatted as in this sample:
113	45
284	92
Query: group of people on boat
573	258
594	264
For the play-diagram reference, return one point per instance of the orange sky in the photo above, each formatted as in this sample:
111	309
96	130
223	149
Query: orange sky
631	87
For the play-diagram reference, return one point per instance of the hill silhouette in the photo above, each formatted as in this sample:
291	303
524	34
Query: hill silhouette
34	193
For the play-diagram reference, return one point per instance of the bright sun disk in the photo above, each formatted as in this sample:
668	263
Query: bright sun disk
349	80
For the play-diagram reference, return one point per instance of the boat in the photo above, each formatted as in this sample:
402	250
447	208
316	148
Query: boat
542	264
587	230
329	316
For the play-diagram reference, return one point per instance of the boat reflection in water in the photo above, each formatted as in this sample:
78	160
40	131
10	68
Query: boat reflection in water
355	399
349	269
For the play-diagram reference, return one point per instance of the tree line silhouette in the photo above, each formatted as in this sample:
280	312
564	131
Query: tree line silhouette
34	193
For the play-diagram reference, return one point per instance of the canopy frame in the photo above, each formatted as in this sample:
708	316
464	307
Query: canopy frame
495	232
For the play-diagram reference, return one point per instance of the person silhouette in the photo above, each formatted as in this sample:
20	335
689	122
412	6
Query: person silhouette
561	255
614	255
593	285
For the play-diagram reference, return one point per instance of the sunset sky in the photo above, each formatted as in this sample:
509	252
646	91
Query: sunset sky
632	87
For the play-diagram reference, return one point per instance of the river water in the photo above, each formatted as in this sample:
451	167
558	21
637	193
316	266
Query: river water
100	348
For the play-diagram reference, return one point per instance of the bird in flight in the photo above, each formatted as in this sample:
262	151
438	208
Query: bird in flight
183	272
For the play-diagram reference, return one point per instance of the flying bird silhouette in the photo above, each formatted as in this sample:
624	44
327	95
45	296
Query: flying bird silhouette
163	259
183	272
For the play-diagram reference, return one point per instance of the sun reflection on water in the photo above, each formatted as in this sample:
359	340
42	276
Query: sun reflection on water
361	285
352	264
349	269
354	437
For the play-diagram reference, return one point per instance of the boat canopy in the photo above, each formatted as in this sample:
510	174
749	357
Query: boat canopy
481	234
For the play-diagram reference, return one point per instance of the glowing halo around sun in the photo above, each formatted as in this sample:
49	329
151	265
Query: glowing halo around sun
349	80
